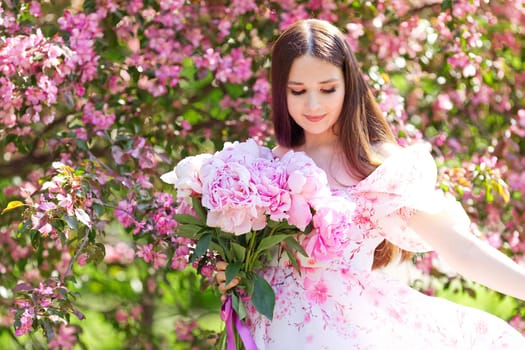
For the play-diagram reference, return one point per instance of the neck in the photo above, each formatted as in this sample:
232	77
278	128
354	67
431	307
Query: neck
316	144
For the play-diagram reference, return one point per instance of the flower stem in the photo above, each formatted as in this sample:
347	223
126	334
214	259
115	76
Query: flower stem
249	258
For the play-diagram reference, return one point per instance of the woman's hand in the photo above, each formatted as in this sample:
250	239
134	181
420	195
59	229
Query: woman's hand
220	279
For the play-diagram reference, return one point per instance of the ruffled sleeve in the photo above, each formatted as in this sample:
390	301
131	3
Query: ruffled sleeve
403	184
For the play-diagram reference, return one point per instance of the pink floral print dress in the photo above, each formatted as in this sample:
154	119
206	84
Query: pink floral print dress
344	304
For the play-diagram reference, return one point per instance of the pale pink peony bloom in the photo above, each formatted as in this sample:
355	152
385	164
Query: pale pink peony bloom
304	177
332	224
231	190
270	181
308	185
244	184
230	196
185	175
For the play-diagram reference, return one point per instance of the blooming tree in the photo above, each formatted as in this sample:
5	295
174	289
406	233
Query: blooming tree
100	97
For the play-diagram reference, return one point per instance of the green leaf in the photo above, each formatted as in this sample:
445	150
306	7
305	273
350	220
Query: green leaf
292	243
202	247
446	4
309	228
217	248
35	238
71	222
197	206
238	306
263	297
70	278
231	271
188	231
96	253
239	251
187	219
489	196
269	242
293	260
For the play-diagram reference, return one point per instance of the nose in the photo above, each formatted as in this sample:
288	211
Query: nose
312	102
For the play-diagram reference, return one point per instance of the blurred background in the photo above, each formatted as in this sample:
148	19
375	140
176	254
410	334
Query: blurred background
99	98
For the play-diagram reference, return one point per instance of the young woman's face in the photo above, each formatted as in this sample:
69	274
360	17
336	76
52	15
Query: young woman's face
315	95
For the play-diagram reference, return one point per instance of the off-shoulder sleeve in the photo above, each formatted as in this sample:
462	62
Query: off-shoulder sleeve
403	184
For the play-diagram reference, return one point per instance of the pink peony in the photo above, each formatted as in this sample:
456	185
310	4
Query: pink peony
308	185
231	197
305	178
332	223
270	181
185	175
240	185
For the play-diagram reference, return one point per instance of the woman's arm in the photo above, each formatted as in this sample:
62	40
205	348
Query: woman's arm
448	233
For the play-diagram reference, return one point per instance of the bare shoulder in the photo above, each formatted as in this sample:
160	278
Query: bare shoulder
384	150
280	151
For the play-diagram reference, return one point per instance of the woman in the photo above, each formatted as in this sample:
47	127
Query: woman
323	107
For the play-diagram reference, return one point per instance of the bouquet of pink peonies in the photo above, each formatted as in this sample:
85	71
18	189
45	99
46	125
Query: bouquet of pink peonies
241	204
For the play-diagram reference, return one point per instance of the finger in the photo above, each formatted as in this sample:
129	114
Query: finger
221	266
223	288
220	277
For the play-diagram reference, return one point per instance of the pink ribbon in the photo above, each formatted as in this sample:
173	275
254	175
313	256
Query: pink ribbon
229	316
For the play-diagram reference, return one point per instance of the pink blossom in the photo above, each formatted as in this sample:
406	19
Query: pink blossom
224	28
518	323
26	321
120	253
135	6
518	123
392	104
182	250
65	338
355	30
118	154
207	271
179	263
163	199
184	330
425	262
121	316
124	212
98	119
164	224
82	259
34	9
149	255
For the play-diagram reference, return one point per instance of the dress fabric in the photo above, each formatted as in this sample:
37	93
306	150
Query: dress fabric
344	304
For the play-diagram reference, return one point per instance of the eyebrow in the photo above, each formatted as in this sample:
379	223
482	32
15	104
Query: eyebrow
333	80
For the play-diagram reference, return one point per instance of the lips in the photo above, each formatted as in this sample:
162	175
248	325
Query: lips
314	118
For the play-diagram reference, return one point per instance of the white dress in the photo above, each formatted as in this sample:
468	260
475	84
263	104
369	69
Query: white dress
344	304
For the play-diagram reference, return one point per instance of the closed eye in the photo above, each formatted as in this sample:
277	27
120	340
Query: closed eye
328	91
297	92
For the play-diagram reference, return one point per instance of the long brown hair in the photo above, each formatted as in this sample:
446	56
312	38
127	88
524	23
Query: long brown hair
361	123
